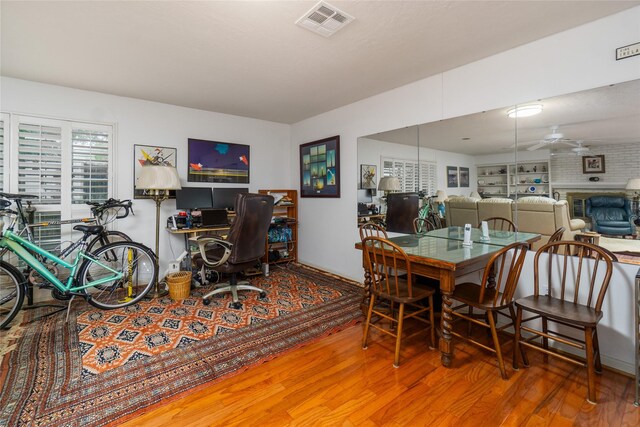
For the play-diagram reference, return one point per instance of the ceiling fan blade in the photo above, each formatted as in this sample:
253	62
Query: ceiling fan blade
539	145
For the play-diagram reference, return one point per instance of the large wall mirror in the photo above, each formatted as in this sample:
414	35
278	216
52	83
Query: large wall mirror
576	156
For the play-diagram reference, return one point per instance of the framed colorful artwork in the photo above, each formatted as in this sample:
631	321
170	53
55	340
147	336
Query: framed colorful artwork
145	155
212	161
368	176
320	168
593	164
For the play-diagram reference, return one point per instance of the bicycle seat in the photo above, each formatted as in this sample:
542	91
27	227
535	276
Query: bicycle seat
89	229
15	196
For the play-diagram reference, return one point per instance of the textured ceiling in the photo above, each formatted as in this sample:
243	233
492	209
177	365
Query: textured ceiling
248	58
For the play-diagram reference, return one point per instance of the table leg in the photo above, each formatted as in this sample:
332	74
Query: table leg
364	306
447	283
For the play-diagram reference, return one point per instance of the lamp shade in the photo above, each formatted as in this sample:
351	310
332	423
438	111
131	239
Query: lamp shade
633	184
441	196
389	183
158	178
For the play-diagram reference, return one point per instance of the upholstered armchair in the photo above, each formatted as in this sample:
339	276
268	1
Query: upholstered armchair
611	215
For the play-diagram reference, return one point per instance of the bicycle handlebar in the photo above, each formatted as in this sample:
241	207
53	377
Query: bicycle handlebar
98	209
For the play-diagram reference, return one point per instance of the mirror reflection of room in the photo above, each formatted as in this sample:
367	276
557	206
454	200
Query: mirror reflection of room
569	161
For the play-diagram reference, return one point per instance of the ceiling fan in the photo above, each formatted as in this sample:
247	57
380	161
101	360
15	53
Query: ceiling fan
553	138
577	150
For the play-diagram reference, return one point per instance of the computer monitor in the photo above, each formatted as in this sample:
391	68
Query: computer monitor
364	196
225	197
189	198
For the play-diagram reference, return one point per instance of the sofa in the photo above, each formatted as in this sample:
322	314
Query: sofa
532	214
611	215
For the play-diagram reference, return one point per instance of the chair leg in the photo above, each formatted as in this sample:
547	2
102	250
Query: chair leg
591	384
545	340
518	336
368	322
514	362
596	349
396	360
433	322
496	344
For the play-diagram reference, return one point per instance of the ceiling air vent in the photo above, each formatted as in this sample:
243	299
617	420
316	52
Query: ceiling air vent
324	19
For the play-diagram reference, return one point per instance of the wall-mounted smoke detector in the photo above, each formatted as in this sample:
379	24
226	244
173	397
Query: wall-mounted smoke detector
324	19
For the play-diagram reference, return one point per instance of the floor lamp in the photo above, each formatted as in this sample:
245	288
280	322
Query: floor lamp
157	181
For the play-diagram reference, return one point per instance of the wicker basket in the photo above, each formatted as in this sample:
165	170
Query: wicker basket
179	284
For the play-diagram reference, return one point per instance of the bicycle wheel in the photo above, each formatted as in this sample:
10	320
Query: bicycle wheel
134	261
106	238
12	291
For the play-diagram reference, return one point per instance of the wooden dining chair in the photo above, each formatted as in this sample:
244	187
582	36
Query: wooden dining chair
557	235
500	224
384	259
422	225
576	287
372	229
493	298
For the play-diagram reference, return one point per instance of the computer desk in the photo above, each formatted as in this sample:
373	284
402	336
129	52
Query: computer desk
188	233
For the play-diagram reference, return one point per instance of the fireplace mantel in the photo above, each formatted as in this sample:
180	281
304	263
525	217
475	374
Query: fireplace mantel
590	185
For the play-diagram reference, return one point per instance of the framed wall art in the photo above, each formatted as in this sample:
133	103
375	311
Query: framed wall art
144	155
320	168
452	176
368	176
213	161
464	177
593	164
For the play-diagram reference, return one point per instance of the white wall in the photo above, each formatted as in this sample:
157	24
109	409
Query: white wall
582	58
151	123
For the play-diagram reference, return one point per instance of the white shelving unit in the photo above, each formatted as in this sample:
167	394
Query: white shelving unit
510	180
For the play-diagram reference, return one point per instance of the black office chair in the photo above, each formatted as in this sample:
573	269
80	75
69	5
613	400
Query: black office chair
243	248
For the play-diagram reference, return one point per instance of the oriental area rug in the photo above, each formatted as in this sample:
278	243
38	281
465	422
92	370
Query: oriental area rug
104	366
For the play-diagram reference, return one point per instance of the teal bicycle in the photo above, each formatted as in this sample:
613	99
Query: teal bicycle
116	275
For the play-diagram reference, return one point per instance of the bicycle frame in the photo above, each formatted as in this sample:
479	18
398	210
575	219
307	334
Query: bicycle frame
21	248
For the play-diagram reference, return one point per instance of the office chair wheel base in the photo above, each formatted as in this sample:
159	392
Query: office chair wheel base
206	301
236	305
263	295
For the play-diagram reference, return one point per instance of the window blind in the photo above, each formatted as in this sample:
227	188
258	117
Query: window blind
414	176
40	162
89	165
2	134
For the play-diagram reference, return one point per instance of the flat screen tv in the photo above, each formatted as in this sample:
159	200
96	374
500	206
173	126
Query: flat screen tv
225	198
194	198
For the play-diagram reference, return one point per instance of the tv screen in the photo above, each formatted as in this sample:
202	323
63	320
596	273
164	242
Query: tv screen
194	198
225	198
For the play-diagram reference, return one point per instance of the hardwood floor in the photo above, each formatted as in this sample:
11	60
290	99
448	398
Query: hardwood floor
333	382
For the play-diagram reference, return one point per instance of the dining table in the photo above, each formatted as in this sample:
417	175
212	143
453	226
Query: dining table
441	254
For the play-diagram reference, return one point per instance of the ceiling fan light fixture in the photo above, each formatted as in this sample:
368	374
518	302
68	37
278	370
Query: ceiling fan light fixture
525	111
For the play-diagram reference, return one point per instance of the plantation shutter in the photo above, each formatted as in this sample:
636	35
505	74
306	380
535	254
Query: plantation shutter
40	162
414	176
89	165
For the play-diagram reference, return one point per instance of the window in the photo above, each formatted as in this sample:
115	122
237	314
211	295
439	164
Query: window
63	163
414	176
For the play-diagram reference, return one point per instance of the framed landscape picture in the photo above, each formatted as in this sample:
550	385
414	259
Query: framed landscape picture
593	164
452	176
464	177
212	161
144	155
320	168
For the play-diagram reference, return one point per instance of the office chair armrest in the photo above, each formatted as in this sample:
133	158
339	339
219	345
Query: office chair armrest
202	244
